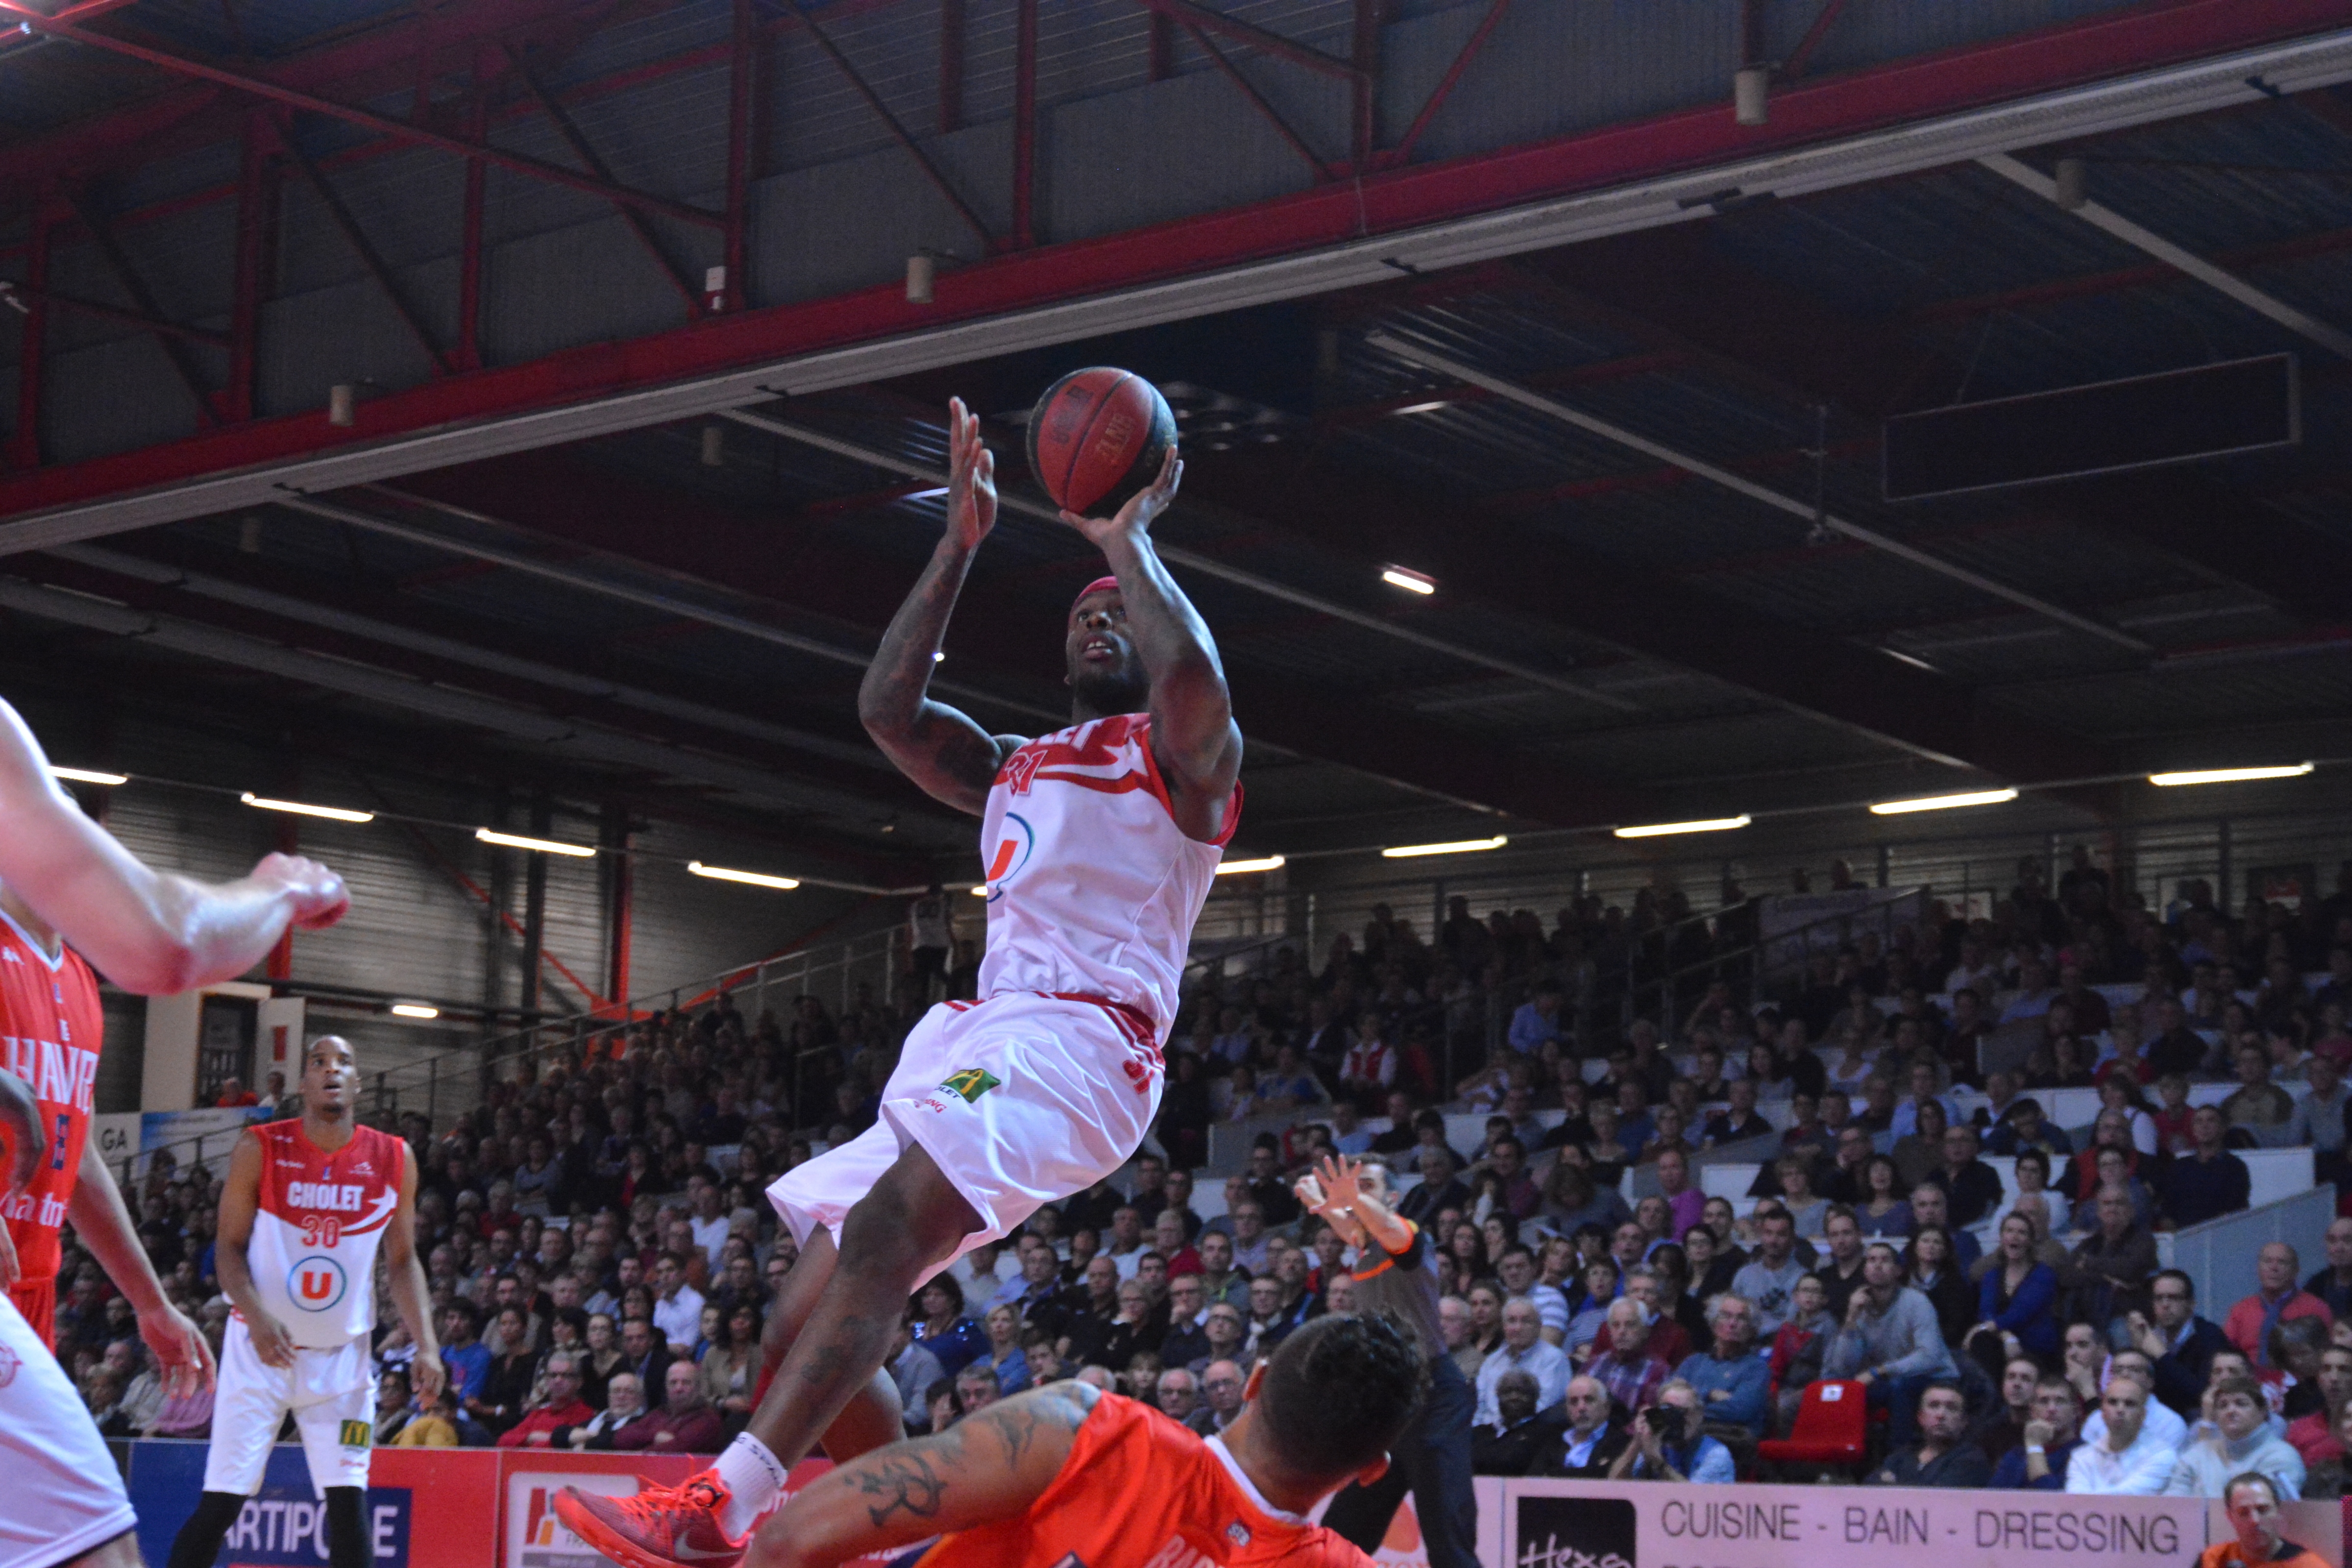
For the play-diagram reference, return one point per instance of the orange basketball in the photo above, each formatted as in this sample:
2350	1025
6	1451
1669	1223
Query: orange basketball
1099	437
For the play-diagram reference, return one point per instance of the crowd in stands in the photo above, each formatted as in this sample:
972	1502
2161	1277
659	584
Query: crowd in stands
602	1259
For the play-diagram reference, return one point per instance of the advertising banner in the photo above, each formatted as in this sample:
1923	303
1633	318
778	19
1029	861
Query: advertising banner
286	1525
1632	1524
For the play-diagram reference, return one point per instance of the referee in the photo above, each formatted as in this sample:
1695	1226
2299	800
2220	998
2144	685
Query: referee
1396	1275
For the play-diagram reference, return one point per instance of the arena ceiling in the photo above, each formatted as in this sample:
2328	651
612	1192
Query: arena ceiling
645	425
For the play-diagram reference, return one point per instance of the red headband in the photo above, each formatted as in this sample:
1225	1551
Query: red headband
1097	586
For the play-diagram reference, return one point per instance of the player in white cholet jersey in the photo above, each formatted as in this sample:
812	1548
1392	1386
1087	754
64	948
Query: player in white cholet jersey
307	1206
1099	845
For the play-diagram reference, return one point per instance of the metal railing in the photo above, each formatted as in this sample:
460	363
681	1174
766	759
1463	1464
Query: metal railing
454	1082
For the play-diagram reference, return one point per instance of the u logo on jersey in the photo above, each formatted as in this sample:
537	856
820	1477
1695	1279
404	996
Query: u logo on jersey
1013	851
316	1284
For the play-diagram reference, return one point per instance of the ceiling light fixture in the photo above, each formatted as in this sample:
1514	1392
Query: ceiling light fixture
979	890
1707	825
1411	582
414	1010
299	808
1235	867
1457	846
1942	802
752	878
2227	775
88	775
543	846
1430	407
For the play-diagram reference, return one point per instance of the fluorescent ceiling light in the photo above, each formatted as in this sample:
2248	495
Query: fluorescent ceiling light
1710	824
1458	847
1942	802
332	812
980	889
1411	582
2228	775
1235	868
414	1010
544	846
1422	407
88	775
924	495
754	878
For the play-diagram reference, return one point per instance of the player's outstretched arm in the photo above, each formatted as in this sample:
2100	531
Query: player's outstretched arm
103	1221
985	1467
147	932
953	758
1194	734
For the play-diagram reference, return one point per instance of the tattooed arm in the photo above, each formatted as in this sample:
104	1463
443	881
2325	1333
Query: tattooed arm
954	759
985	1467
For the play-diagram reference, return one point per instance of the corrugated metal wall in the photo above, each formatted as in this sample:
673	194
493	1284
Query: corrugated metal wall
414	931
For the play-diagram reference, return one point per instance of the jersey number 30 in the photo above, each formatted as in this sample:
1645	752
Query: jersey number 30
322	1230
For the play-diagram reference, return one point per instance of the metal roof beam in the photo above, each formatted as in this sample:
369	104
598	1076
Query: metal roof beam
1741	484
2072	79
2220	280
815	572
1485	559
1690	293
366	119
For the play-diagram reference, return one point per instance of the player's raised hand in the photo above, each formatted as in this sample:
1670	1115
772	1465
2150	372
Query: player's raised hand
320	897
1141	508
271	1342
1309	1195
972	478
1339	1180
180	1350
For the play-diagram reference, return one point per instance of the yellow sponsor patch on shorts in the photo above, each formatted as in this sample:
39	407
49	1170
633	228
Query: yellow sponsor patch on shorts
971	1083
357	1435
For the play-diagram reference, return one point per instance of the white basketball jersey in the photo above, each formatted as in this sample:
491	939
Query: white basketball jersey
1092	888
314	1240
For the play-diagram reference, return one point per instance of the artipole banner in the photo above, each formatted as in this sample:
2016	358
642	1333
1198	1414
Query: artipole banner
1635	1524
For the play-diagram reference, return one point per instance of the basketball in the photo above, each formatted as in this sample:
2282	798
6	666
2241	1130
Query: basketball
1099	437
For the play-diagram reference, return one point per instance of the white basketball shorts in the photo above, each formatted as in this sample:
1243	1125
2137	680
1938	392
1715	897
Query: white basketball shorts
1020	1101
332	1394
64	1496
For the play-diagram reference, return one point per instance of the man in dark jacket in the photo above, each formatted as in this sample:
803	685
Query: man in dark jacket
2180	1343
1511	1444
1945	1456
2106	1277
1592	1440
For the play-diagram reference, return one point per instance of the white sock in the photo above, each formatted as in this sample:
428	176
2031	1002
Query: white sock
754	1477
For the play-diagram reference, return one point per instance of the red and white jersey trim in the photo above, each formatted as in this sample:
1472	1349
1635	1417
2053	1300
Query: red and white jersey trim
1092	888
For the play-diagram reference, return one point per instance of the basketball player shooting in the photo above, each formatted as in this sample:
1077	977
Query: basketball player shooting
71	892
306	1207
1100	842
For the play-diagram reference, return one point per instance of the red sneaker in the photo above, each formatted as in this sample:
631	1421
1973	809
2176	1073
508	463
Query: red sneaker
661	1526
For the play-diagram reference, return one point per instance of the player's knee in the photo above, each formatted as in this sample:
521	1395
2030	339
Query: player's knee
914	1215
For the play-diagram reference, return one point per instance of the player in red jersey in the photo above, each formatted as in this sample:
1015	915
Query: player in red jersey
1065	1476
51	1029
1100	843
154	934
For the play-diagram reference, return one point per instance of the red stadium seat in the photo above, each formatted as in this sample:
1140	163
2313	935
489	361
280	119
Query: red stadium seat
1831	1427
